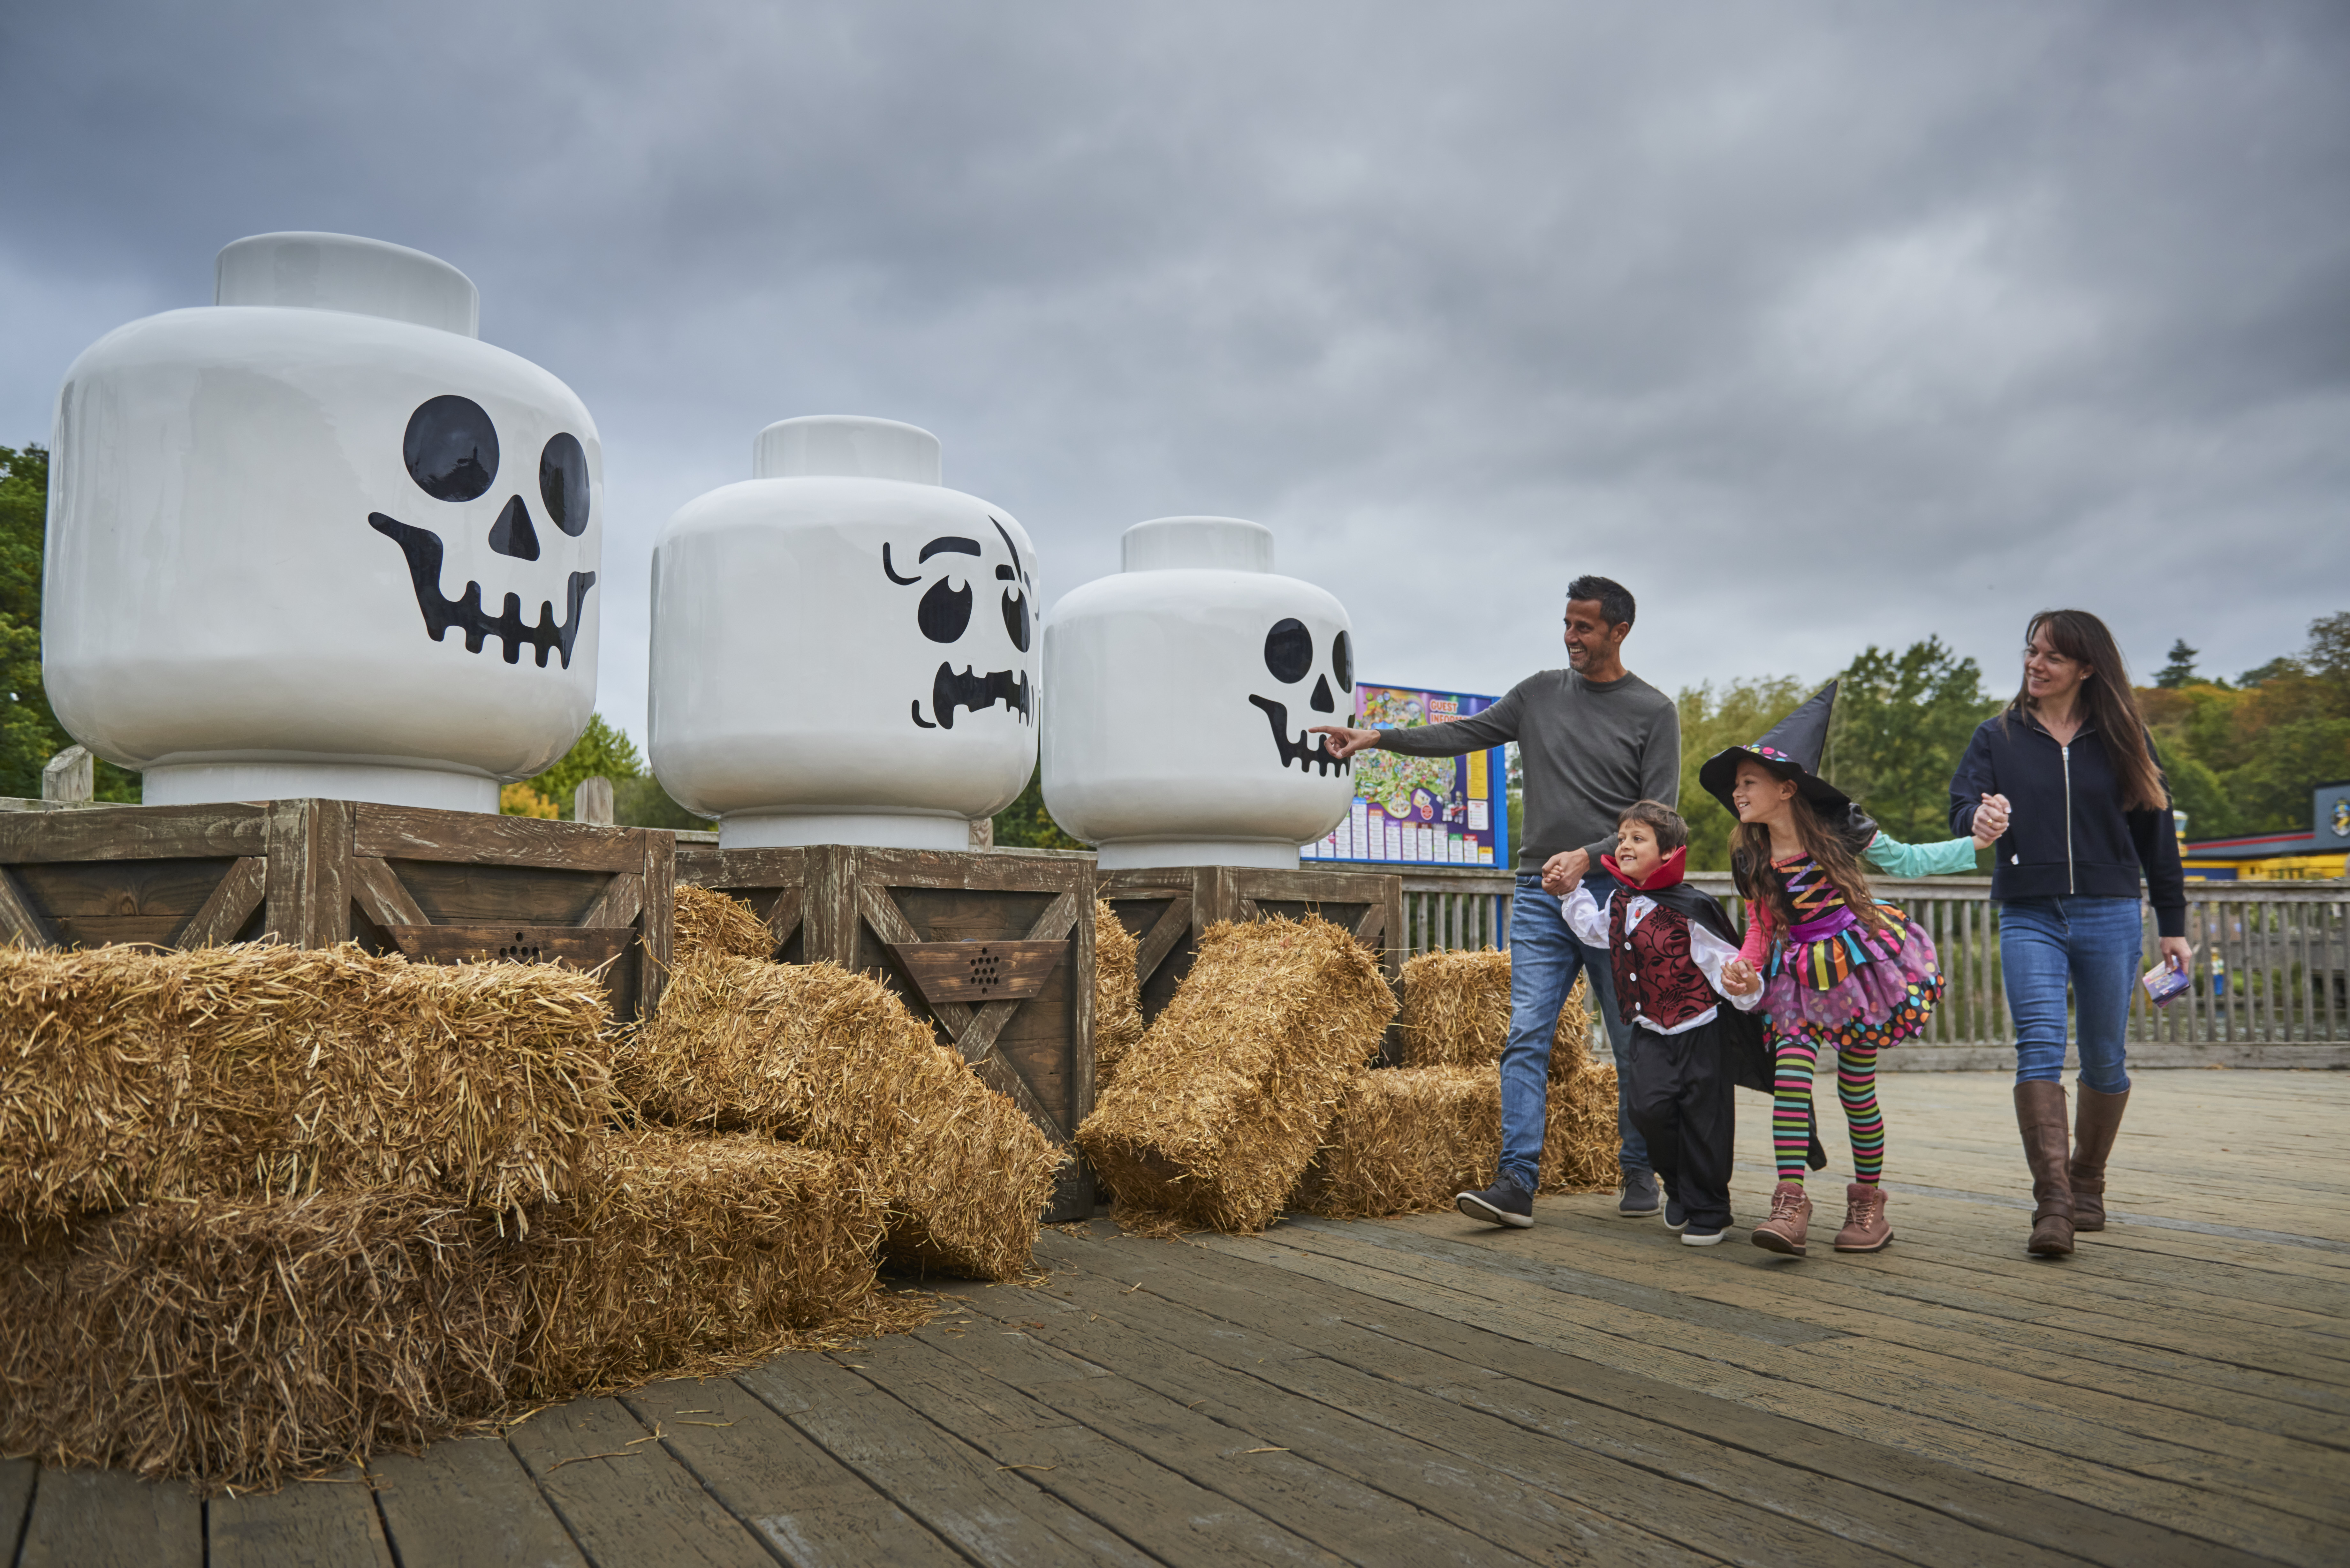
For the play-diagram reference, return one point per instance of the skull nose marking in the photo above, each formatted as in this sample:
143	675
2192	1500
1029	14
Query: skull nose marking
512	533
1322	702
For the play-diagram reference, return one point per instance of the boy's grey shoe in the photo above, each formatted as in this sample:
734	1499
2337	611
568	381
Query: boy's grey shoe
1676	1217
1702	1235
1503	1203
1640	1196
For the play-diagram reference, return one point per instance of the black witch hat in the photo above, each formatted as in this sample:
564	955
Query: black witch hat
1792	750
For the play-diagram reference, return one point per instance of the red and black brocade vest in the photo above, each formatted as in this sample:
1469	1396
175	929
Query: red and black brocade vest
1656	981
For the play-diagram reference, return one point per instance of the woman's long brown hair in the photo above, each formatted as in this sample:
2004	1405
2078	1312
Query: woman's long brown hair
1749	844
2111	704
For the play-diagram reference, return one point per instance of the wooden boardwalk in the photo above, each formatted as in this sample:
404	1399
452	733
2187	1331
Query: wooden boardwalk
1429	1391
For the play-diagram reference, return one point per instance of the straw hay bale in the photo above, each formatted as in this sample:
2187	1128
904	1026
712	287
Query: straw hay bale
1218	1111
1406	1140
247	1341
690	1254
256	1070
1580	1137
1455	1014
710	922
1456	1009
815	1054
1118	994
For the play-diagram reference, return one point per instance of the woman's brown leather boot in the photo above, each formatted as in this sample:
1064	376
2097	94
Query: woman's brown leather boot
2098	1118
2040	1116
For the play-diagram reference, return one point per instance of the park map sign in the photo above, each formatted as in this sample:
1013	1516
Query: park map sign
1435	811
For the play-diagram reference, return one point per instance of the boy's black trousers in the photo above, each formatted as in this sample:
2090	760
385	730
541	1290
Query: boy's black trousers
1680	1098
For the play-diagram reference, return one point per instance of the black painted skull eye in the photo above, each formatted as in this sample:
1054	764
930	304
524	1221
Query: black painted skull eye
451	448
1289	651
1342	661
563	482
944	613
1016	619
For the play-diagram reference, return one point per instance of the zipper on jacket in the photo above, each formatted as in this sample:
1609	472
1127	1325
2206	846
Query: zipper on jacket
2066	752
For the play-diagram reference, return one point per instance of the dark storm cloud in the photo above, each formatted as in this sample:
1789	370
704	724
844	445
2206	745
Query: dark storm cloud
1816	325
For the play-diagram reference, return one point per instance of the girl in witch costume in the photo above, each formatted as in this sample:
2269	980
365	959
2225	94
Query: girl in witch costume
1840	970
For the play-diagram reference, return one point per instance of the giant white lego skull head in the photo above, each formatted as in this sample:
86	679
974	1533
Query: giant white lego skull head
1199	637
452	452
844	649
271	514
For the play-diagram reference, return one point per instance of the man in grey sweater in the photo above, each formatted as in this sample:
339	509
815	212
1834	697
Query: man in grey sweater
1592	739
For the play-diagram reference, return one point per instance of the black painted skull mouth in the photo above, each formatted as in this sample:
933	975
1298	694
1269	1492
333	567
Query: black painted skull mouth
976	693
423	549
1310	751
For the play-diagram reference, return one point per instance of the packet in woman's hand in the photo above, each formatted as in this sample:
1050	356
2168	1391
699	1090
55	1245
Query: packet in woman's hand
2164	984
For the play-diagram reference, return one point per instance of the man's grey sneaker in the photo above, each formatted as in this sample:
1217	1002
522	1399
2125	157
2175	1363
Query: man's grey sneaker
1702	1235
1676	1217
1503	1203
1640	1196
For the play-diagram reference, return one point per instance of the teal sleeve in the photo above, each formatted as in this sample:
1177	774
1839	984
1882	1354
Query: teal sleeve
1951	858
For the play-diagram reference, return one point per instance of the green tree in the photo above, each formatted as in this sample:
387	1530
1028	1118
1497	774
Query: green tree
2242	760
1027	825
29	731
602	749
1711	720
1902	721
2181	671
643	803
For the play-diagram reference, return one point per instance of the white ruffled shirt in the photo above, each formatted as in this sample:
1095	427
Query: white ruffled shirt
1587	917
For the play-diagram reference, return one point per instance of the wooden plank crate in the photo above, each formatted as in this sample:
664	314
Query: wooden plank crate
994	948
1167	909
443	886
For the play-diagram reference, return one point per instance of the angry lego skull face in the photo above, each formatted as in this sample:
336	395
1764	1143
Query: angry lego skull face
977	602
470	516
1317	670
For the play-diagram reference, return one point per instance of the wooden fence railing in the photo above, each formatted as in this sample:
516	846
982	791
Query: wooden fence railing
2271	958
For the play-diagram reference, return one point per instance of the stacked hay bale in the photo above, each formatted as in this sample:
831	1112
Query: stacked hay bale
1118	994
1219	1109
704	921
820	1057
264	1209
1408	1140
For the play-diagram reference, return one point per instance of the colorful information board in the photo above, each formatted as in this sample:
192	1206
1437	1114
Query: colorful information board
1437	811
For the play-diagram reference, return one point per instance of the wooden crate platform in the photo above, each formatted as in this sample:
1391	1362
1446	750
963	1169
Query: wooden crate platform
439	886
994	946
1426	1390
1167	910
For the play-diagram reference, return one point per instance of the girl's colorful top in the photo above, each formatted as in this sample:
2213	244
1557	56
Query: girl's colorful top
1835	979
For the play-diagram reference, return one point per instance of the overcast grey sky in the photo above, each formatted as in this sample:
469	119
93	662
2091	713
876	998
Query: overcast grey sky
1817	324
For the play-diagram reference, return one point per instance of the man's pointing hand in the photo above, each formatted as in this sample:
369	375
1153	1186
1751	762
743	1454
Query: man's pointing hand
1344	743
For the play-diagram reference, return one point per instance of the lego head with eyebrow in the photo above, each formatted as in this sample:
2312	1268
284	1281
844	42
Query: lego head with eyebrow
953	566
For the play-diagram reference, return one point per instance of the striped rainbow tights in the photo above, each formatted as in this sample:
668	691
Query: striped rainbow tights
1791	1107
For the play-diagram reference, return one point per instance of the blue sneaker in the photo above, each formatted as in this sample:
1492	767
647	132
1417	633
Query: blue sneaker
1702	1235
1676	1217
1503	1203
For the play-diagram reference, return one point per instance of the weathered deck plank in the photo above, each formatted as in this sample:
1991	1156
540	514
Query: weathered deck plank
111	1519
469	1501
624	1498
308	1523
810	1507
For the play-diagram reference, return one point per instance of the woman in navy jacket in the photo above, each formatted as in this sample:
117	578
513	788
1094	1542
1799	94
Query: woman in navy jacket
2088	813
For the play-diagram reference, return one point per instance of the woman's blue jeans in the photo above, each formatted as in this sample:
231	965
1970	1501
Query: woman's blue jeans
1545	959
2096	945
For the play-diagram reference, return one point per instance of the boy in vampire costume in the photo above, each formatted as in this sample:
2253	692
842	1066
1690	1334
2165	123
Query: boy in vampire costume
1674	956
